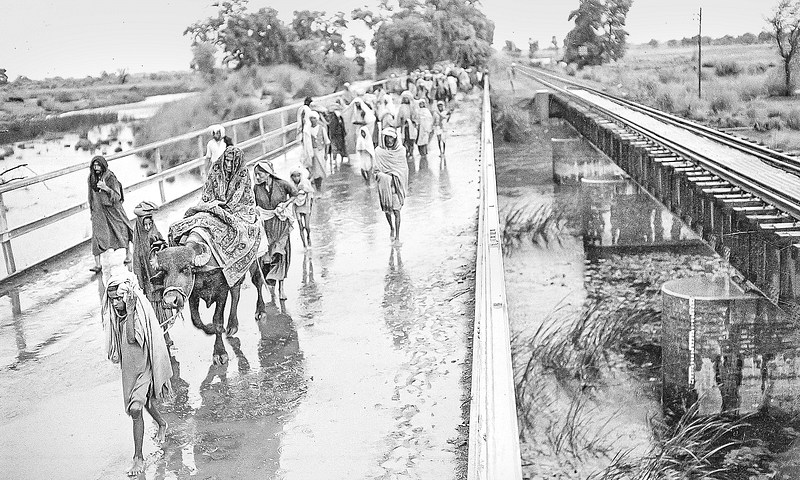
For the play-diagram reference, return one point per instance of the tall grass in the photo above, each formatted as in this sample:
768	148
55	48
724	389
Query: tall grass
692	448
540	225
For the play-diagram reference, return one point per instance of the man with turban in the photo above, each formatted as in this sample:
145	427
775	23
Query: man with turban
133	340
215	147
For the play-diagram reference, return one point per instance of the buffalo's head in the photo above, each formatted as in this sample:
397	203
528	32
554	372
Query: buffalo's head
174	268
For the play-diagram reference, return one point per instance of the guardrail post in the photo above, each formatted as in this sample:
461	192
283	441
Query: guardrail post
8	253
235	136
283	136
261	129
200	153
159	169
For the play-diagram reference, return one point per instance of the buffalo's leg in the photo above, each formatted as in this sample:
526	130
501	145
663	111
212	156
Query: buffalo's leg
233	317
220	354
194	309
281	293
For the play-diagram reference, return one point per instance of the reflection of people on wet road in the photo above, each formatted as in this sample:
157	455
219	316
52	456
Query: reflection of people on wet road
110	227
391	173
134	340
274	196
303	203
147	238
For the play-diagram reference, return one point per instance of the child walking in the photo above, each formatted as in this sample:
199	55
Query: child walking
302	204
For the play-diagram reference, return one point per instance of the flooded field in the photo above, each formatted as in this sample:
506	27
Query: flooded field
587	252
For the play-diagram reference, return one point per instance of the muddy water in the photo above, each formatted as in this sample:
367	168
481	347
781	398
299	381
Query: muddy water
612	249
359	374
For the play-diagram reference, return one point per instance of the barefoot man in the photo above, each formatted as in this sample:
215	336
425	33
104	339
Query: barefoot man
135	341
391	173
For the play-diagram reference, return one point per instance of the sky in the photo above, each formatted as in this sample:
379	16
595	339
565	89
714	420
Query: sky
76	38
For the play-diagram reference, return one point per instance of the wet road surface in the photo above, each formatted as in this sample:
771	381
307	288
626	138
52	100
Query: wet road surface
358	375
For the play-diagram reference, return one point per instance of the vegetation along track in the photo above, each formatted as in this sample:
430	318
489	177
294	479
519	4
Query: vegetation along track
758	179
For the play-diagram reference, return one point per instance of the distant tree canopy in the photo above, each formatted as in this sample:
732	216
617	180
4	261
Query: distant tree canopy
599	28
261	38
3	76
423	32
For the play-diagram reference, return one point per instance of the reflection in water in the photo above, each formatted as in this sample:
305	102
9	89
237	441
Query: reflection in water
398	297
621	213
236	406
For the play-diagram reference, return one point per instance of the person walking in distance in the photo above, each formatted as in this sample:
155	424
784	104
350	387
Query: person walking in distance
303	203
110	227
134	340
214	147
391	174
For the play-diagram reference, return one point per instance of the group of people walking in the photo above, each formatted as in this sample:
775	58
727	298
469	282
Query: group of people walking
369	132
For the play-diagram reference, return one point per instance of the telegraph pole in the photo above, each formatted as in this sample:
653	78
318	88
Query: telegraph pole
700	56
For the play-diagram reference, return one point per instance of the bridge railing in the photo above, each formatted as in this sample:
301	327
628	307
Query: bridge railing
494	452
264	138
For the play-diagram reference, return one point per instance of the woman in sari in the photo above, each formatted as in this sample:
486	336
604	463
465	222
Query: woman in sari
146	239
274	197
226	218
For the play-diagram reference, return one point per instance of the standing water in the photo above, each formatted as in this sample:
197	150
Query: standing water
41	156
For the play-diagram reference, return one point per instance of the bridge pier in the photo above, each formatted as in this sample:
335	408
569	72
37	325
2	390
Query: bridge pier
760	344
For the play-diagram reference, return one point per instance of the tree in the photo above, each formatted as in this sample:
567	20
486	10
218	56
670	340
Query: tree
599	29
449	30
653	43
203	58
406	43
258	38
122	74
533	47
359	45
315	25
3	76
785	23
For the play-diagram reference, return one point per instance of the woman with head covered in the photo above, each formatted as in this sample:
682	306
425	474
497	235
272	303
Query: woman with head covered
110	227
391	174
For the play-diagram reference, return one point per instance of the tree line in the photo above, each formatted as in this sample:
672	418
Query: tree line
412	34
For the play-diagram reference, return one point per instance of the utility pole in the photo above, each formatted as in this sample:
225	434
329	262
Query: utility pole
700	56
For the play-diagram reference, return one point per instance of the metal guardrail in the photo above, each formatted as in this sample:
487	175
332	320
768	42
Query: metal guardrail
494	452
6	234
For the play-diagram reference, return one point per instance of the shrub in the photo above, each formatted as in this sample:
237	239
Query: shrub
727	68
750	88
792	119
722	102
66	96
341	68
312	88
508	122
665	102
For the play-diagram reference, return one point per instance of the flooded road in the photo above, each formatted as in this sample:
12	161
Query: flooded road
358	375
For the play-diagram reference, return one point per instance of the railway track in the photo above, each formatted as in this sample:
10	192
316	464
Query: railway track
767	174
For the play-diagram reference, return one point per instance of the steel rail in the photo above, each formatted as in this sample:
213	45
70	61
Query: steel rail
494	452
762	190
778	159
